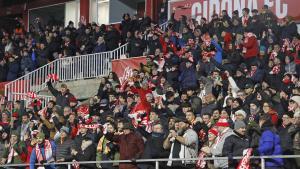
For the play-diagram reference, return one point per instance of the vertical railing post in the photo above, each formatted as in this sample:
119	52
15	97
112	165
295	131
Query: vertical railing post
156	164
69	166
262	163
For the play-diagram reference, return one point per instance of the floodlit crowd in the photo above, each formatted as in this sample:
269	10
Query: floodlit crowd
208	89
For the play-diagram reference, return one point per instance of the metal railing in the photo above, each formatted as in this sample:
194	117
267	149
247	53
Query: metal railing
67	69
156	162
70	68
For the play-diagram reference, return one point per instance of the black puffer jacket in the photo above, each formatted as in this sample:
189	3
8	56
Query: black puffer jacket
234	145
63	150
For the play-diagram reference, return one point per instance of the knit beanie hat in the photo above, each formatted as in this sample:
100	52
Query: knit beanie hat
239	124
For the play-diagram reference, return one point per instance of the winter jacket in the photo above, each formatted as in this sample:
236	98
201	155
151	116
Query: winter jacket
136	47
258	76
21	149
219	50
99	48
63	149
187	78
3	72
269	144
61	100
13	70
217	149
234	146
33	157
112	39
286	136
289	31
131	147
153	45
251	48
27	65
153	147
87	152
294	131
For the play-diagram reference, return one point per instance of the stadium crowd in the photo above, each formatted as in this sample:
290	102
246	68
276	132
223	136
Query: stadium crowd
212	88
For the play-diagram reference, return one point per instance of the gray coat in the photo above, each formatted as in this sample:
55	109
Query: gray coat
218	148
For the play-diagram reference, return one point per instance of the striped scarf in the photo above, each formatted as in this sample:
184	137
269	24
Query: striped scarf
48	152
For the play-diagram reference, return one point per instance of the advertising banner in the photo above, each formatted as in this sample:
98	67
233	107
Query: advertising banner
205	8
123	67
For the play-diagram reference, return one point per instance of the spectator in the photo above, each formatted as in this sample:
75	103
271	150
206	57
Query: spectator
188	76
269	143
224	132
100	47
106	149
137	45
44	152
86	152
112	38
15	152
63	147
236	144
183	144
131	146
3	70
62	96
13	69
154	145
295	134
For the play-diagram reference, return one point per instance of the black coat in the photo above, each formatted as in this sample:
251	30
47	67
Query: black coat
112	39
3	72
61	100
136	47
234	145
63	150
88	154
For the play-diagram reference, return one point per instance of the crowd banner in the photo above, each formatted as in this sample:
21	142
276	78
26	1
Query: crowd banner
206	8
124	67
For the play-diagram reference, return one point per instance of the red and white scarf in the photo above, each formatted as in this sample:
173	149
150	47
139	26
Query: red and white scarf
48	152
201	163
245	161
11	154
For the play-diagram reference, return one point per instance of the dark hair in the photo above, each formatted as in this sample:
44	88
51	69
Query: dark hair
126	14
206	114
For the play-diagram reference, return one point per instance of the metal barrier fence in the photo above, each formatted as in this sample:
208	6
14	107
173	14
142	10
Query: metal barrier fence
156	162
70	68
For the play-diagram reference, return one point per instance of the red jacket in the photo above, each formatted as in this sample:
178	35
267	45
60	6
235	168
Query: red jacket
165	46
131	147
251	48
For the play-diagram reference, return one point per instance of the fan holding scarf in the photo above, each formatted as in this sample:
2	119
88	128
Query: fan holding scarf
43	152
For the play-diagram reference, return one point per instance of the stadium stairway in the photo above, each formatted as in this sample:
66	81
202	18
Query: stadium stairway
76	72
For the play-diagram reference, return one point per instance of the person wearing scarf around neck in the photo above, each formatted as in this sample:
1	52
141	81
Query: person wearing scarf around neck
43	152
15	152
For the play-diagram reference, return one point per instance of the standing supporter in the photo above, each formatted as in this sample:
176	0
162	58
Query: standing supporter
131	146
63	147
269	143
86	152
236	144
15	151
224	132
44	152
183	144
62	96
294	131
